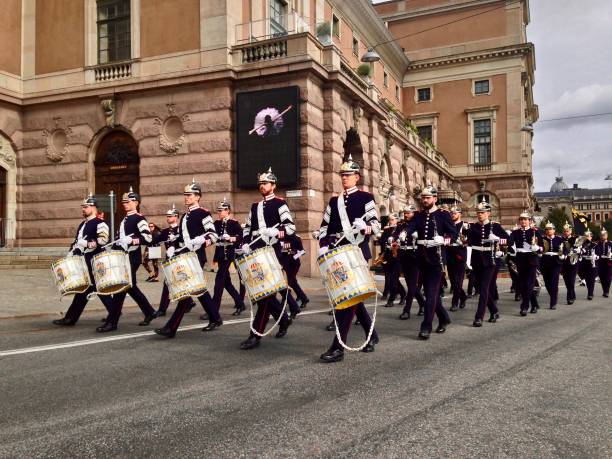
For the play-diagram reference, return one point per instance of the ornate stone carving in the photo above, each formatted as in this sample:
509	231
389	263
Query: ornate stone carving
57	142
109	108
6	152
172	135
357	115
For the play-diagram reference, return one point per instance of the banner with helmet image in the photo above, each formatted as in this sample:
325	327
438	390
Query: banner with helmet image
581	222
268	135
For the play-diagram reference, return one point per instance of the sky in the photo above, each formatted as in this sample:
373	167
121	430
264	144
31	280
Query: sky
573	50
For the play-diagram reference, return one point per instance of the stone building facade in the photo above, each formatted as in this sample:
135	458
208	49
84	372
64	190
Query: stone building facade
73	119
468	89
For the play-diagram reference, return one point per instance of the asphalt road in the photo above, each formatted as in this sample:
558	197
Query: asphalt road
538	386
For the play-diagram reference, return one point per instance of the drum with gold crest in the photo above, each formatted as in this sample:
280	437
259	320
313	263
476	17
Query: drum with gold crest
184	276
346	276
112	273
261	273
71	275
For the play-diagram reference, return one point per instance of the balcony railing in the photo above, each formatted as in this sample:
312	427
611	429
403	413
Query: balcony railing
113	71
264	52
264	29
483	167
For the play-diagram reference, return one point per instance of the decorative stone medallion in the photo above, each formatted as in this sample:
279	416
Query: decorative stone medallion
57	143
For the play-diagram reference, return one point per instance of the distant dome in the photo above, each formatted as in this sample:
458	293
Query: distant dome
559	185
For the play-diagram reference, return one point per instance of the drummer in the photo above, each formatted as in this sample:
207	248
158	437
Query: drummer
196	232
167	236
269	220
92	234
360	217
133	233
230	237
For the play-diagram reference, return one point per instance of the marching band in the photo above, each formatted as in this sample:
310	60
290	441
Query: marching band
424	246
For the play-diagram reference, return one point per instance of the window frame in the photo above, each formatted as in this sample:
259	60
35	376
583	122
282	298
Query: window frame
477	155
125	19
416	94
476	114
385	79
278	28
431	131
336	20
480	80
355	46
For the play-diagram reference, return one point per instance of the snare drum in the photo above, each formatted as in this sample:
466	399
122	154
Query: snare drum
261	273
112	272
184	276
71	275
346	276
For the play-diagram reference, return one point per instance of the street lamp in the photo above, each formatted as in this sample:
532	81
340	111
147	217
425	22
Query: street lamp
370	56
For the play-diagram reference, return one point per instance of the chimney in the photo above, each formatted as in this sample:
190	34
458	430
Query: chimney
575	186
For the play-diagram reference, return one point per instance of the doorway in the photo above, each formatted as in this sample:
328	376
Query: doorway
3	199
116	169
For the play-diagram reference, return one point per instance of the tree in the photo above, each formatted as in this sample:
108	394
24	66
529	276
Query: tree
557	216
608	225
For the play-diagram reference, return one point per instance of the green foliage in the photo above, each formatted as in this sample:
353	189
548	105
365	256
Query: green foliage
323	29
608	226
558	217
364	70
595	229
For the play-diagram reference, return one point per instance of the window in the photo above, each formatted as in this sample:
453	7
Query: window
335	25
278	17
114	40
484	197
481	87
606	216
355	47
482	141
423	94
425	132
597	216
397	92
385	79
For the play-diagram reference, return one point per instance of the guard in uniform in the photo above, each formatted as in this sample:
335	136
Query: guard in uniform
553	254
230	237
92	234
484	239
393	268
196	232
409	262
292	250
133	233
527	244
604	267
167	236
455	261
569	268
349	219
269	221
434	229
587	267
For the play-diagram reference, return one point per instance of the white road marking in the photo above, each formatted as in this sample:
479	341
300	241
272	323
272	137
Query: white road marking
107	339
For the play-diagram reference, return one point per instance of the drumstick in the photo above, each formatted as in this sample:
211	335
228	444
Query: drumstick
111	243
259	237
344	235
185	247
272	121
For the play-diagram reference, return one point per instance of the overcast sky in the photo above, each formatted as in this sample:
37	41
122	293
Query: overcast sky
573	43
573	47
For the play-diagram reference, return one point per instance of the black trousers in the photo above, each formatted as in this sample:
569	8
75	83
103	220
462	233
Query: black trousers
410	268
487	276
550	272
569	272
135	293
395	286
344	318
164	300
80	299
588	273
456	274
526	266
265	307
432	279
223	280
605	271
292	268
184	305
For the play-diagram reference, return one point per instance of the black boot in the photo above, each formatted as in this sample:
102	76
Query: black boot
212	325
333	355
250	343
65	321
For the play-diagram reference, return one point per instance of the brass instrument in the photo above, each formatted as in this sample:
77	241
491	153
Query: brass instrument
379	260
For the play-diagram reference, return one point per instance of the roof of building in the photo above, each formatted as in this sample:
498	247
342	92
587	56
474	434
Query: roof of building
577	193
559	185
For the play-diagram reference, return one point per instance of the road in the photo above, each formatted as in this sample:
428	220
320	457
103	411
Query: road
538	386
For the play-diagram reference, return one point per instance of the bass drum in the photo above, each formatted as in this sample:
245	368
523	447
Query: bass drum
261	273
346	276
71	275
184	276
112	272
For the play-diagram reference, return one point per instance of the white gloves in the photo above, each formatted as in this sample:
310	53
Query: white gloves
81	244
359	224
315	234
499	254
415	235
170	252
226	237
562	257
438	239
390	240
298	254
323	250
172	237
535	248
246	249
493	237
402	236
269	232
526	245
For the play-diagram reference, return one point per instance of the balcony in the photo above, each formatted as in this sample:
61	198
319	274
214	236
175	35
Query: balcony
113	71
269	28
